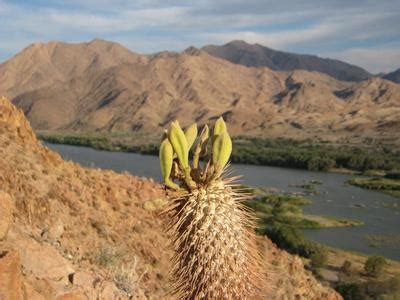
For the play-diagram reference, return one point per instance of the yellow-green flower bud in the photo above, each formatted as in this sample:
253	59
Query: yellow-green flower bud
222	149
166	158
201	144
219	127
191	134
204	135
179	143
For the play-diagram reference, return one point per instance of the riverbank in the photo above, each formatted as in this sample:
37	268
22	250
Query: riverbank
345	271
332	222
385	185
281	219
280	152
338	256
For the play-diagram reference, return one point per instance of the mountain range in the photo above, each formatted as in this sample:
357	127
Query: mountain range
102	86
393	76
240	52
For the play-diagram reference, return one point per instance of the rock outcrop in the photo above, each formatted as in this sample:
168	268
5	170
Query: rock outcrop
77	233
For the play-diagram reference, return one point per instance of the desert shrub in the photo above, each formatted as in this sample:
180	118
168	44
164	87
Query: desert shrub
318	256
350	291
106	257
394	283
382	289
375	265
388	289
346	268
126	277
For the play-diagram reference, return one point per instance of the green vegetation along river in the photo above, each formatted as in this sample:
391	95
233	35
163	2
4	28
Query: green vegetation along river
278	152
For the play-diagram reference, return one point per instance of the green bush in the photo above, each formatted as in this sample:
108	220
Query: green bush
350	291
375	265
319	257
346	268
388	289
394	283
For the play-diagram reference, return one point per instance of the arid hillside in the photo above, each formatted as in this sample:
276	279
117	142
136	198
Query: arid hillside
102	86
68	232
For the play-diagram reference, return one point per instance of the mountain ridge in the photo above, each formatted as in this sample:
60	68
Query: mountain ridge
393	76
256	55
87	87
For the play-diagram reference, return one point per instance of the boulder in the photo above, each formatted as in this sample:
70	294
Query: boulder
43	260
75	295
10	275
56	230
6	209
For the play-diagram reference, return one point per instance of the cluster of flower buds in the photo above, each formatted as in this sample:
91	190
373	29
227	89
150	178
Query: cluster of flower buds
175	152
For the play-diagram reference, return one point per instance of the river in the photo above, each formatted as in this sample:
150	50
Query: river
334	198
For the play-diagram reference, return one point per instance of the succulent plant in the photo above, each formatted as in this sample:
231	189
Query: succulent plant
213	233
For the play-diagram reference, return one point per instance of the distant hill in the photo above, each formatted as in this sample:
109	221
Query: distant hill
102	86
44	64
393	76
240	52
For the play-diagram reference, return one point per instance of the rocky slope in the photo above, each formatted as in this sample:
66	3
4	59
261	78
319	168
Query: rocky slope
75	229
240	52
67	232
102	86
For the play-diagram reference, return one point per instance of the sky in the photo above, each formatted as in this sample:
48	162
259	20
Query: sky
365	33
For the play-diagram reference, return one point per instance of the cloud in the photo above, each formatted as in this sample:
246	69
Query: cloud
306	26
374	60
329	30
50	21
123	21
5	7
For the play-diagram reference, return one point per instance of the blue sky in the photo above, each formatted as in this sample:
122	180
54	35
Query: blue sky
366	33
